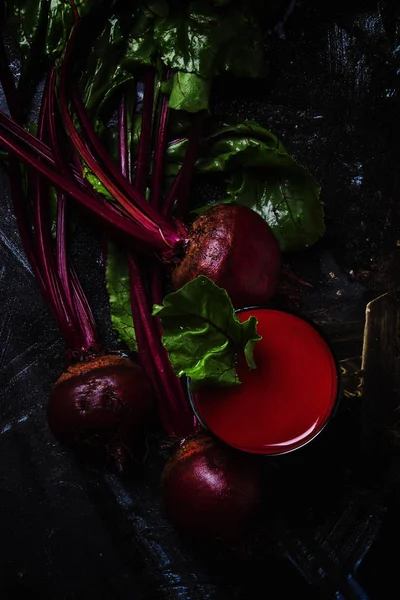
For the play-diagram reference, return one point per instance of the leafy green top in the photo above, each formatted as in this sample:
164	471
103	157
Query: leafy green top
203	334
118	288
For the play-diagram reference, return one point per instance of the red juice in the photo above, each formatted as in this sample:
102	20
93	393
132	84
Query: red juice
286	401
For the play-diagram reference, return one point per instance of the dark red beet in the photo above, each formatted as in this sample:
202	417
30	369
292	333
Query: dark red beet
210	490
233	246
101	403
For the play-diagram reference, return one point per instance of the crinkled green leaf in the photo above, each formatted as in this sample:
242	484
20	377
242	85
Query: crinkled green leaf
203	334
138	31
118	288
288	201
140	51
61	20
189	92
207	40
106	67
96	184
262	175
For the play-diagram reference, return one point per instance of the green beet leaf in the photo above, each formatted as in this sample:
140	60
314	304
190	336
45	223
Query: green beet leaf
106	68
61	21
206	40
96	184
203	334
262	175
199	40
118	288
138	24
189	92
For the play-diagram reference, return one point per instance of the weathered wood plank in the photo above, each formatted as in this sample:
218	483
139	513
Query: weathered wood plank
381	375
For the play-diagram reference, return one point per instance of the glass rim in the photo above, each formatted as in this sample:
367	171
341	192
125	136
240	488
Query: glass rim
335	404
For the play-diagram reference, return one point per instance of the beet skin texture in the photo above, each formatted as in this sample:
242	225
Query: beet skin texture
211	491
102	403
235	248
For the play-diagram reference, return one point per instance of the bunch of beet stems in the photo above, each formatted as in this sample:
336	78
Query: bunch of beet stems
147	226
52	270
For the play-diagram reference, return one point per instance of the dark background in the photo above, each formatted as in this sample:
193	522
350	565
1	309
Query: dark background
69	528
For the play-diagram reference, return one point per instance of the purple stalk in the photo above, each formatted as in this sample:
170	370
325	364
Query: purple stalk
142	337
56	296
173	408
40	255
149	241
123	141
56	299
17	196
132	198
149	356
61	247
84	312
24	137
172	195
144	150
159	156
36	255
175	415
77	301
108	173
180	189
61	244
104	178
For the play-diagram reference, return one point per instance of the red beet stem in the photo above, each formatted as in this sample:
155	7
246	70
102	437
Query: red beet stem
159	156
61	244
173	408
147	241
40	253
123	140
151	228
19	203
180	189
84	313
57	295
106	180
174	411
131	198
61	254
144	330
144	351
144	149
21	136
37	146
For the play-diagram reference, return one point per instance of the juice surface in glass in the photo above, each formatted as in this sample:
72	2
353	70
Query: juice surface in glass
287	400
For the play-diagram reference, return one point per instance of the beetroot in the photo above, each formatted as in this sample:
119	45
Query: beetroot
101	403
235	248
210	490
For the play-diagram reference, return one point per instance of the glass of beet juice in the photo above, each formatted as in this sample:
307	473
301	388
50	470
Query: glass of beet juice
287	401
